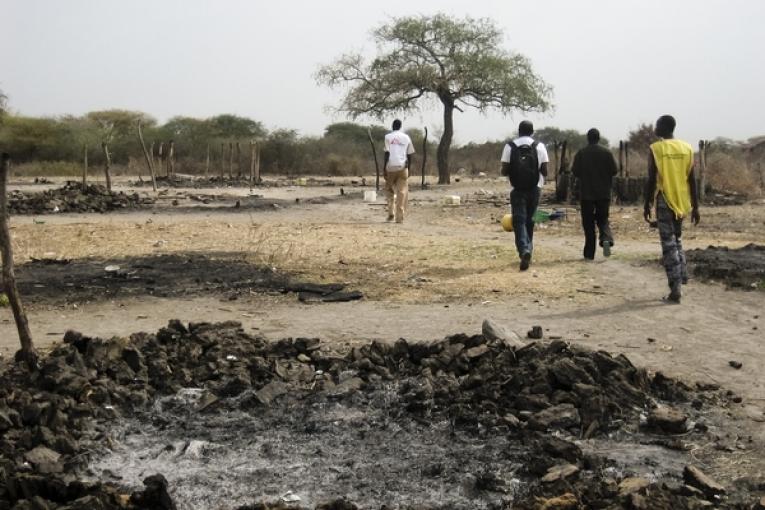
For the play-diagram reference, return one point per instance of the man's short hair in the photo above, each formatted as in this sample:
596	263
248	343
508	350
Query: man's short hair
525	128
665	125
396	125
593	135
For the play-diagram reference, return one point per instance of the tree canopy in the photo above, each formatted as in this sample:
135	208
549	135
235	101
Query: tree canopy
460	62
641	138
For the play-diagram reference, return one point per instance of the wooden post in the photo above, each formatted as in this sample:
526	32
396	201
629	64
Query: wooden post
257	163
151	154
27	352
207	162
230	160
621	158
424	156
107	165
171	159
238	160
252	163
222	159
702	177
160	156
627	160
85	167
374	155
148	158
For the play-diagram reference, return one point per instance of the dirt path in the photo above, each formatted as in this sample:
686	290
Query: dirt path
470	275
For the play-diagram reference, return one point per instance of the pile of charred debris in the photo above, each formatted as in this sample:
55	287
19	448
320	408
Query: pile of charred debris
74	197
513	423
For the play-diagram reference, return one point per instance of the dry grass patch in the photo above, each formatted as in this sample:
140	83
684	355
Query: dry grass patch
384	261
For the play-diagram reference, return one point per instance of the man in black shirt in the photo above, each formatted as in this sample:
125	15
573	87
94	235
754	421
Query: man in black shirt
595	168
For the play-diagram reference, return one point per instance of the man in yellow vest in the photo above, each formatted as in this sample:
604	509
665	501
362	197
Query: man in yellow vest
671	182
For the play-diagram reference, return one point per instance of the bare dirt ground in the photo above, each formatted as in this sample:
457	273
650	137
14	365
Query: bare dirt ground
443	271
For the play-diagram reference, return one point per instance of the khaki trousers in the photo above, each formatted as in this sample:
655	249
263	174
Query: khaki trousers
397	192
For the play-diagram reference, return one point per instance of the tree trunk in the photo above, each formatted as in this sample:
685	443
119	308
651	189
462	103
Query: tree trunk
442	155
107	165
85	168
148	158
27	352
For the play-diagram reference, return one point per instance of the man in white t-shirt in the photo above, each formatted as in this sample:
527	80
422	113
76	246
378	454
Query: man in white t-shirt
398	159
524	161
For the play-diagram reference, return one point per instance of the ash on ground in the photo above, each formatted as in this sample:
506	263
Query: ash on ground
235	421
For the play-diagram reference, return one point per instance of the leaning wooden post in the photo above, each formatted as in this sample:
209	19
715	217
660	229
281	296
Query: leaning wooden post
85	167
207	162
374	155
27	353
424	156
148	158
107	165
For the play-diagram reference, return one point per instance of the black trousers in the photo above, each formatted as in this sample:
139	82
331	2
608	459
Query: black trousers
595	212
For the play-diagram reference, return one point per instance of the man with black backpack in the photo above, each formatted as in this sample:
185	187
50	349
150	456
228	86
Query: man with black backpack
524	162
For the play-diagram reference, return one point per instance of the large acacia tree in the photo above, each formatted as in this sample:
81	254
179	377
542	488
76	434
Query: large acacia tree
460	62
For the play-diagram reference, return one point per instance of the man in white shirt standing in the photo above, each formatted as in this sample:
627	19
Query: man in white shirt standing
398	159
524	161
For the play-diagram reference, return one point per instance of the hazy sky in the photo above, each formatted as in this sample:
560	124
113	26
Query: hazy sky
612	63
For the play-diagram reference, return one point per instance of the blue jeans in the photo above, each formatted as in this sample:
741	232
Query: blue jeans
523	205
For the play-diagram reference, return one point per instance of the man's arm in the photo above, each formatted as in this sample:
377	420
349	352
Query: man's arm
695	216
505	161
408	161
650	187
386	157
543	170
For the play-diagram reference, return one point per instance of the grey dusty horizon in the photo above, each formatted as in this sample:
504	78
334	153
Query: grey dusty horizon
612	65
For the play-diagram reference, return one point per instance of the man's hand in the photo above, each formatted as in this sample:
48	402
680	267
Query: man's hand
695	216
647	212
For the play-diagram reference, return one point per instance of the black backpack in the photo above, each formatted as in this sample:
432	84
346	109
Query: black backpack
524	166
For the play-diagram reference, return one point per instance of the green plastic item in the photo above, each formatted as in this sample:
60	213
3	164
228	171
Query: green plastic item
541	216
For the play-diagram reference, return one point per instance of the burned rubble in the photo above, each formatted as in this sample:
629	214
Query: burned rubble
742	268
530	407
75	197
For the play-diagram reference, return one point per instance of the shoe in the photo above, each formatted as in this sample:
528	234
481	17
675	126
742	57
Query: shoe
525	261
672	299
390	217
606	248
399	221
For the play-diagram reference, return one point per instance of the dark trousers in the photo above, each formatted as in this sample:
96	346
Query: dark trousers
595	212
523	205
